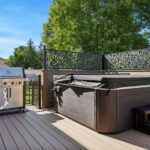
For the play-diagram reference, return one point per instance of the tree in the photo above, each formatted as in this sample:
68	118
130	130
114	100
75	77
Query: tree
40	55
97	25
25	56
18	58
31	56
142	12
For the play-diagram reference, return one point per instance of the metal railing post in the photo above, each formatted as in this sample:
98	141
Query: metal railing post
103	61
44	57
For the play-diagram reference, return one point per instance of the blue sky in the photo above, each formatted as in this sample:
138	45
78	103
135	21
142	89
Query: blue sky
21	20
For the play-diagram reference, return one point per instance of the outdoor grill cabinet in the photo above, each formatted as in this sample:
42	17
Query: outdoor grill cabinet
103	103
11	89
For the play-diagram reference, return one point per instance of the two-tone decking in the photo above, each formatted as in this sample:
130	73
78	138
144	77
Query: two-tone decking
43	129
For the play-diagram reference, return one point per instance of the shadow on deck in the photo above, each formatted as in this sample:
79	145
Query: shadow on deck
43	129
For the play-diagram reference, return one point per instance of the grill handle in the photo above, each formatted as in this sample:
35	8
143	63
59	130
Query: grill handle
9	92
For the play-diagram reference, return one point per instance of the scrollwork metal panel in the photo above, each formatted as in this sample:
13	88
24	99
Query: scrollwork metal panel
73	60
129	60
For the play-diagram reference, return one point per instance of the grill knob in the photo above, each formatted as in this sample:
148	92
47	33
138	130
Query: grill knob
5	83
19	82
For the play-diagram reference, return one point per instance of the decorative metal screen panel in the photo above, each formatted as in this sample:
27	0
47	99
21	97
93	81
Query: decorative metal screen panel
128	60
73	60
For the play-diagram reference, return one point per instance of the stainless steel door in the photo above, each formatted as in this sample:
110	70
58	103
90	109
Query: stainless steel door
11	94
5	101
16	96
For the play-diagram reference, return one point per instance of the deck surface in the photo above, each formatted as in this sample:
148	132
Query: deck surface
45	130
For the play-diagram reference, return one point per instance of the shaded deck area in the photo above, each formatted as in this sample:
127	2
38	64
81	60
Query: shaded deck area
43	129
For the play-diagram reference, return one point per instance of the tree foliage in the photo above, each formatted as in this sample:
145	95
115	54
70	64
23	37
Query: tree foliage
97	25
25	56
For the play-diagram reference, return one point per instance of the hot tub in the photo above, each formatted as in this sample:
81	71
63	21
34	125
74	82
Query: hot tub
103	103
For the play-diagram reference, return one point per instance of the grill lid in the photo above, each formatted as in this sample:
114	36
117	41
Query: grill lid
12	72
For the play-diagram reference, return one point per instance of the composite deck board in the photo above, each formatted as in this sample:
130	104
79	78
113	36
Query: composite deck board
58	134
99	141
20	142
135	138
78	135
6	136
100	138
2	146
27	136
83	137
39	138
48	137
80	132
43	129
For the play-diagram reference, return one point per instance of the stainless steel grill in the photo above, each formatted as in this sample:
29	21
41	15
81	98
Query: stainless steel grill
11	88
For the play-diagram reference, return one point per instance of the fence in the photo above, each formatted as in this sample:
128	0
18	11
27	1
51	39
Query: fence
33	90
72	60
128	60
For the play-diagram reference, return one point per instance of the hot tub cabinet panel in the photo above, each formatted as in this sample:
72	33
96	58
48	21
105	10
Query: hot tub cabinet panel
127	99
78	104
106	110
114	110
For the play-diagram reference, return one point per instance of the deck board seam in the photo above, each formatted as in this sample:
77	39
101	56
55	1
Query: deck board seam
49	133
20	133
64	136
3	141
84	135
10	133
38	132
29	132
24	130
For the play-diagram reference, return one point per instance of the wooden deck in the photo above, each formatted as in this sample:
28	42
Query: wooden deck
39	129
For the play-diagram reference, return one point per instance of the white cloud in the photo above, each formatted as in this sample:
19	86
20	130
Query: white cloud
9	31
6	27
7	41
7	46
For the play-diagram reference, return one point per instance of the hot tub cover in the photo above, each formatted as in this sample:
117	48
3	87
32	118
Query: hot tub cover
108	81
